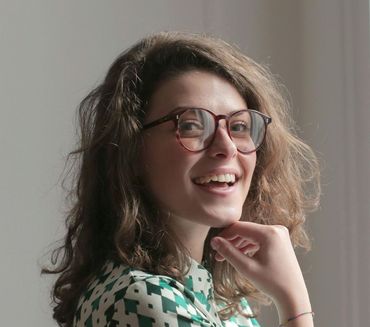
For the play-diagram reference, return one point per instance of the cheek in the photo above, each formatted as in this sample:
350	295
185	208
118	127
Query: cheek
249	164
166	169
252	163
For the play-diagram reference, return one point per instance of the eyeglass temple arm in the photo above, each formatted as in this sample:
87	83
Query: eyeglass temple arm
164	119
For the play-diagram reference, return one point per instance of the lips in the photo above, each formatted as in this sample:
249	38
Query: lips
228	178
219	183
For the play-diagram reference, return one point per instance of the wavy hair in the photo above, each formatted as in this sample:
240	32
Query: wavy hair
112	217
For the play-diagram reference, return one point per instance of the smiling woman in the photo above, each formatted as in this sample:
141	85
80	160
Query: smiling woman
173	173
189	194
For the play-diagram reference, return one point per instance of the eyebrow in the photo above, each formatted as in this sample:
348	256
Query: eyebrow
180	108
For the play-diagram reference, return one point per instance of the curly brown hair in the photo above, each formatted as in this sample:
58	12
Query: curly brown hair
113	218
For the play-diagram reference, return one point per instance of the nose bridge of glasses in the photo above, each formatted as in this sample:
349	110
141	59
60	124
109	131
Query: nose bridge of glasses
222	130
224	125
221	117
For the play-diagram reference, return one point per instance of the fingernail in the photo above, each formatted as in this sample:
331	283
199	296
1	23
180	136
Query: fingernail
215	243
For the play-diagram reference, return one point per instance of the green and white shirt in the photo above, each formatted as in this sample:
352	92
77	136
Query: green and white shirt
124	297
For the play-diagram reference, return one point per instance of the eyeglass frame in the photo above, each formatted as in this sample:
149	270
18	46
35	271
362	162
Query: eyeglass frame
175	116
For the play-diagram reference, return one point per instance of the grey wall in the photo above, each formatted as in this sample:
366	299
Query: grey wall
54	52
335	100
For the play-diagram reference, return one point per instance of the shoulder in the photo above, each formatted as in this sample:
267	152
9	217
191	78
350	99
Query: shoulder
123	296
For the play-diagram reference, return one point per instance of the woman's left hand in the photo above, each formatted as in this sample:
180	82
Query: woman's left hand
264	255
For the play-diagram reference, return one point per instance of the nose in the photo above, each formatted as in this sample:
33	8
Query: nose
222	145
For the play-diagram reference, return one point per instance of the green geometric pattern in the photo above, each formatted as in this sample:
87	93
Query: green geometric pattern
125	297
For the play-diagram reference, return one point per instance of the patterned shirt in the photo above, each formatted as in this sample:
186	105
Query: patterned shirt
124	297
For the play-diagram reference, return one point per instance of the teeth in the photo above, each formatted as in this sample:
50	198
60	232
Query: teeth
225	178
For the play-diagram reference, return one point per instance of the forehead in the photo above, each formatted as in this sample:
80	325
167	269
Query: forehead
195	89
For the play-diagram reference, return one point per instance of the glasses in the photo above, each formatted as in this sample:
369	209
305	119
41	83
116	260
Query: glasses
196	127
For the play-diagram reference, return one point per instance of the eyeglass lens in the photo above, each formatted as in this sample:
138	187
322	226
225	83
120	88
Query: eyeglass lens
196	128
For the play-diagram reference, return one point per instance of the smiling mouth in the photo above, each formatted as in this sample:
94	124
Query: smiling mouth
222	180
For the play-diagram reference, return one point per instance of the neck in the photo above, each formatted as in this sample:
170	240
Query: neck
191	234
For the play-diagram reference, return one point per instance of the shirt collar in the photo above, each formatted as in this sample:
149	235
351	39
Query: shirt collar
199	281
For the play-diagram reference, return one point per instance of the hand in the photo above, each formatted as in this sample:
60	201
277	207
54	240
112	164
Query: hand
265	256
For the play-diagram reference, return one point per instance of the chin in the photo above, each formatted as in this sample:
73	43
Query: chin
225	224
223	218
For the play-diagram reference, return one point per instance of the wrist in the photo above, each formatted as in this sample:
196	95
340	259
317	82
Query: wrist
303	319
291	306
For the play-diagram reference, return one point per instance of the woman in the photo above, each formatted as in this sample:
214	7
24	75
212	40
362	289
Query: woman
189	194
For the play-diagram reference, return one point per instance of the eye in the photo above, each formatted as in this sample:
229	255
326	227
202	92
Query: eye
239	127
190	125
190	128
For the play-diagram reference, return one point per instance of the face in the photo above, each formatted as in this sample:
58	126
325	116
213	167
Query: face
178	178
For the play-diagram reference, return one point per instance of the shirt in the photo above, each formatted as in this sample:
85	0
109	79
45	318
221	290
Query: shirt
121	296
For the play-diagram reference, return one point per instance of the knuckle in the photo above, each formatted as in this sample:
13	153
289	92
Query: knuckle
283	229
278	231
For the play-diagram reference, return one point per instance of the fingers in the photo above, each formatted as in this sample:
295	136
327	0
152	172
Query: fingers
241	237
251	231
250	249
244	245
236	257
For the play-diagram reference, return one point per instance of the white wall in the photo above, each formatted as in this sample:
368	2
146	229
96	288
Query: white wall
54	52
